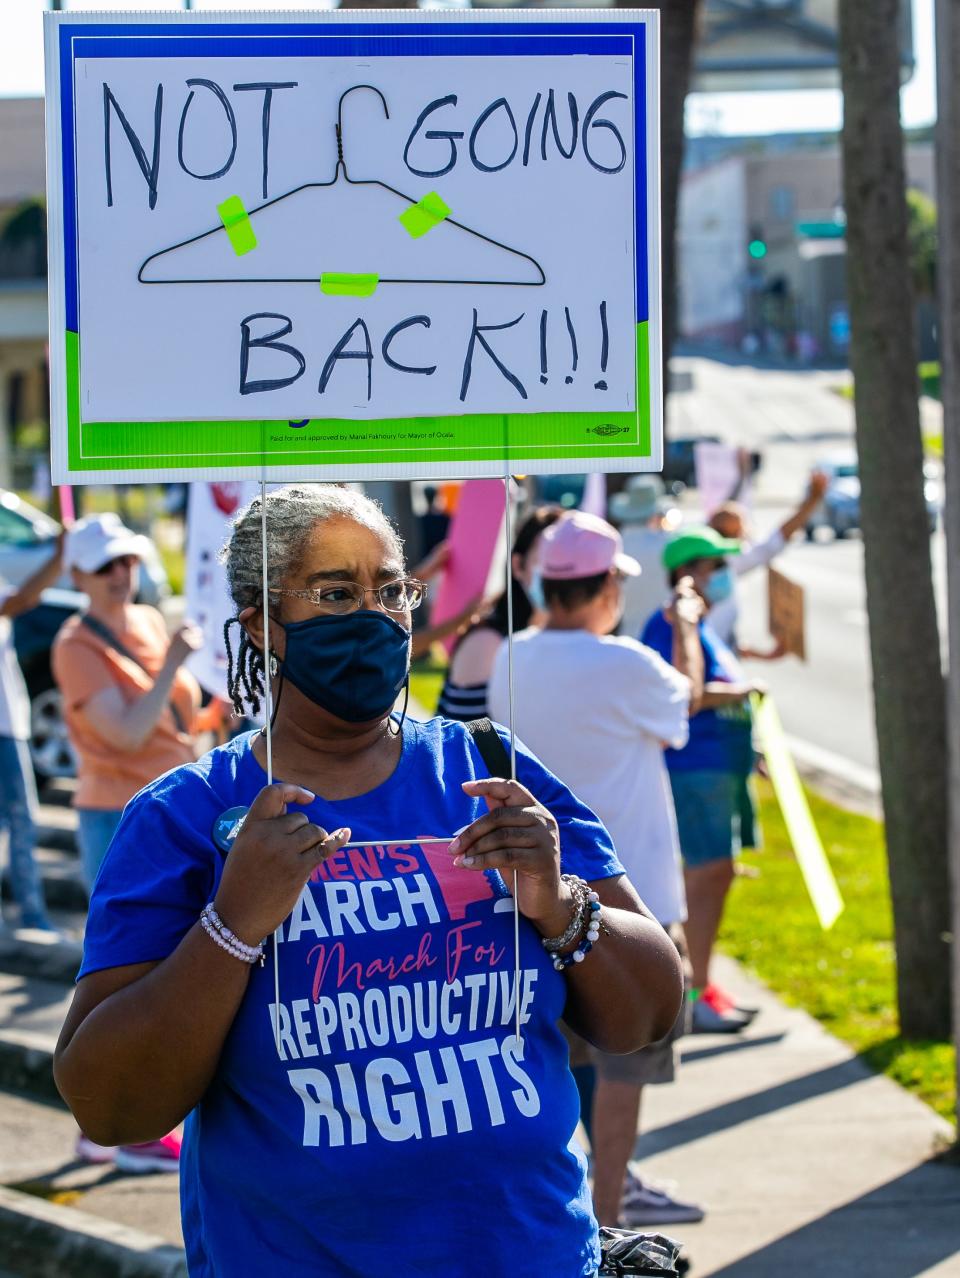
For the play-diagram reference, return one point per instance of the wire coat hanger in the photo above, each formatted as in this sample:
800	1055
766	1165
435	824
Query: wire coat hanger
341	168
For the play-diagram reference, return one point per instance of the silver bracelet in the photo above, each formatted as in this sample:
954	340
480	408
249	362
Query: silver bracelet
578	919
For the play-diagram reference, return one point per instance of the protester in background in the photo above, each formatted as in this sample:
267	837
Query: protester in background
18	793
128	702
705	773
732	521
598	710
647	518
402	1136
464	693
129	707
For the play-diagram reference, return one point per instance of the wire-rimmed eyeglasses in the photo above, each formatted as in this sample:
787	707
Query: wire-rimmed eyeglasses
337	597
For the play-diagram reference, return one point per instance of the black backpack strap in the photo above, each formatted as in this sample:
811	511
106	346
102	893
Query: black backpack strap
492	750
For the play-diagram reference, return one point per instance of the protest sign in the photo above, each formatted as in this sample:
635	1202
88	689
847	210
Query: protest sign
336	245
719	475
787	613
210	509
477	550
807	846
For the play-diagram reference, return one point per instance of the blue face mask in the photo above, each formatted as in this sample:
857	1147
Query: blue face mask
352	666
719	586
535	593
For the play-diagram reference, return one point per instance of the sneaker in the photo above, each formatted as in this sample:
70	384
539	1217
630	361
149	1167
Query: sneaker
711	1015
645	1202
155	1156
725	1002
88	1151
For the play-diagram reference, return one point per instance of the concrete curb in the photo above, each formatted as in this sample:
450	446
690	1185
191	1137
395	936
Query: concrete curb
26	1065
32	955
43	1240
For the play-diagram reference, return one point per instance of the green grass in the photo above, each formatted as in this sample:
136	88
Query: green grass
845	977
426	680
928	373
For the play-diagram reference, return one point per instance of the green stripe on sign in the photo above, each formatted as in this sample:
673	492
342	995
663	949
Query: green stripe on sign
237	224
336	284
424	215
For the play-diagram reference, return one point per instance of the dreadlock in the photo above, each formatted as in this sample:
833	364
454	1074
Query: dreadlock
292	513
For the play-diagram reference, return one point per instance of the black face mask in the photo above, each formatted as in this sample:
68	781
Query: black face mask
353	666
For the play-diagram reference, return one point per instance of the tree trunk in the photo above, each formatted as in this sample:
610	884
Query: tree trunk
679	24
904	640
948	280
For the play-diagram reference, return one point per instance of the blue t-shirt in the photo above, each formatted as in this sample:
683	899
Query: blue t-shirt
400	1129
721	740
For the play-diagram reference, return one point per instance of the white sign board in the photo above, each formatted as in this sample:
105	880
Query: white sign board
338	244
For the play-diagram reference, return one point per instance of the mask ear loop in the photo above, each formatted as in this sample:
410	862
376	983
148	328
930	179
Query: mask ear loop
269	714
406	702
508	532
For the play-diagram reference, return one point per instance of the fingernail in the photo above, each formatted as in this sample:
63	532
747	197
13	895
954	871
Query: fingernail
454	844
467	860
343	833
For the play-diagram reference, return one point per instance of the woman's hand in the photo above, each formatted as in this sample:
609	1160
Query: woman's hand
517	834
186	640
274	854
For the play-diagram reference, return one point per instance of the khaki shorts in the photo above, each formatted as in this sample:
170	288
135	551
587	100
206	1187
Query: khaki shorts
653	1064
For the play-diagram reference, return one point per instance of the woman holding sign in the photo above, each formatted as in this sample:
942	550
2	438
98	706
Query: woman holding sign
381	1115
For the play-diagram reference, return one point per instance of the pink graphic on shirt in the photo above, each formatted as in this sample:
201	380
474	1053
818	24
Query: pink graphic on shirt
459	887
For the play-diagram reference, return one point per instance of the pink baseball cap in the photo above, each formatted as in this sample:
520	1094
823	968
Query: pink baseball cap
581	545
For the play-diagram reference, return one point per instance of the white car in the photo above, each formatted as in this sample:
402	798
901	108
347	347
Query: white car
840	509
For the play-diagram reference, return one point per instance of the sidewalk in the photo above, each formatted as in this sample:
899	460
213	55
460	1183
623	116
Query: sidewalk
809	1164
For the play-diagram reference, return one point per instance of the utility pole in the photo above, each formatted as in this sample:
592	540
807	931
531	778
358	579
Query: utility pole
948	278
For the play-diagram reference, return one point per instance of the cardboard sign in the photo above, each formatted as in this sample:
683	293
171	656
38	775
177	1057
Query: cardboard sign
719	477
338	246
787	613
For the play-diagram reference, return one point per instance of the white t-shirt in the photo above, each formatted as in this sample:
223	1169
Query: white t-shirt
597	711
14	701
723	616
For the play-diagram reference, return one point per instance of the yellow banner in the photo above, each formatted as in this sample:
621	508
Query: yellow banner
808	849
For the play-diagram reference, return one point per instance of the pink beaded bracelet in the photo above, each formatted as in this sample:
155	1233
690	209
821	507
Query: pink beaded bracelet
217	930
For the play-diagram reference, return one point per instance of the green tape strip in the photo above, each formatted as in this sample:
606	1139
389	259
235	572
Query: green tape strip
335	284
817	874
237	224
424	215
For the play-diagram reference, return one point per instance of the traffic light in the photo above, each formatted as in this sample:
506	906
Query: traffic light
757	249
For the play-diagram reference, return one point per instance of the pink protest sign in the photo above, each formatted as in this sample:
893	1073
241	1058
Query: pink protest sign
475	534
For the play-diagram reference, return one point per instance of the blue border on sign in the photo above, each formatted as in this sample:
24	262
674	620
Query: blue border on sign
363	40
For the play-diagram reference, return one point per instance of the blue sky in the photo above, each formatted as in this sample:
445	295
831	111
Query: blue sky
21	72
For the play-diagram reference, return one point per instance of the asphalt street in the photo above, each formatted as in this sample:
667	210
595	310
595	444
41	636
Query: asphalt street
797	421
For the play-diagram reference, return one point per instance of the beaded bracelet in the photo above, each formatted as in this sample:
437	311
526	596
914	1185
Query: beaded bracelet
562	961
585	919
218	931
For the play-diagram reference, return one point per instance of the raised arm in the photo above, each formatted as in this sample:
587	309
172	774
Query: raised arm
819	483
130	724
141	1043
27	595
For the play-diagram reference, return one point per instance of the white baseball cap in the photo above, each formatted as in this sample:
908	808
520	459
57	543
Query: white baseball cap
94	541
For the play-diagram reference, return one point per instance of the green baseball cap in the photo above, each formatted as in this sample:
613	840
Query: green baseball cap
697	543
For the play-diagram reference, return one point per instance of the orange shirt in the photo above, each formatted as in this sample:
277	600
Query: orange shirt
84	665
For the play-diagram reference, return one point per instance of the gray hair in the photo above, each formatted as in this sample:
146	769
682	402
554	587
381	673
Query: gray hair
292	513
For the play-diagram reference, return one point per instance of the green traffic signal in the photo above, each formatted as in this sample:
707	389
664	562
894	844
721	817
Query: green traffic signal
757	249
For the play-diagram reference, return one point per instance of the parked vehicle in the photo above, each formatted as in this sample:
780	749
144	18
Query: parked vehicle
33	636
840	509
26	541
26	534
